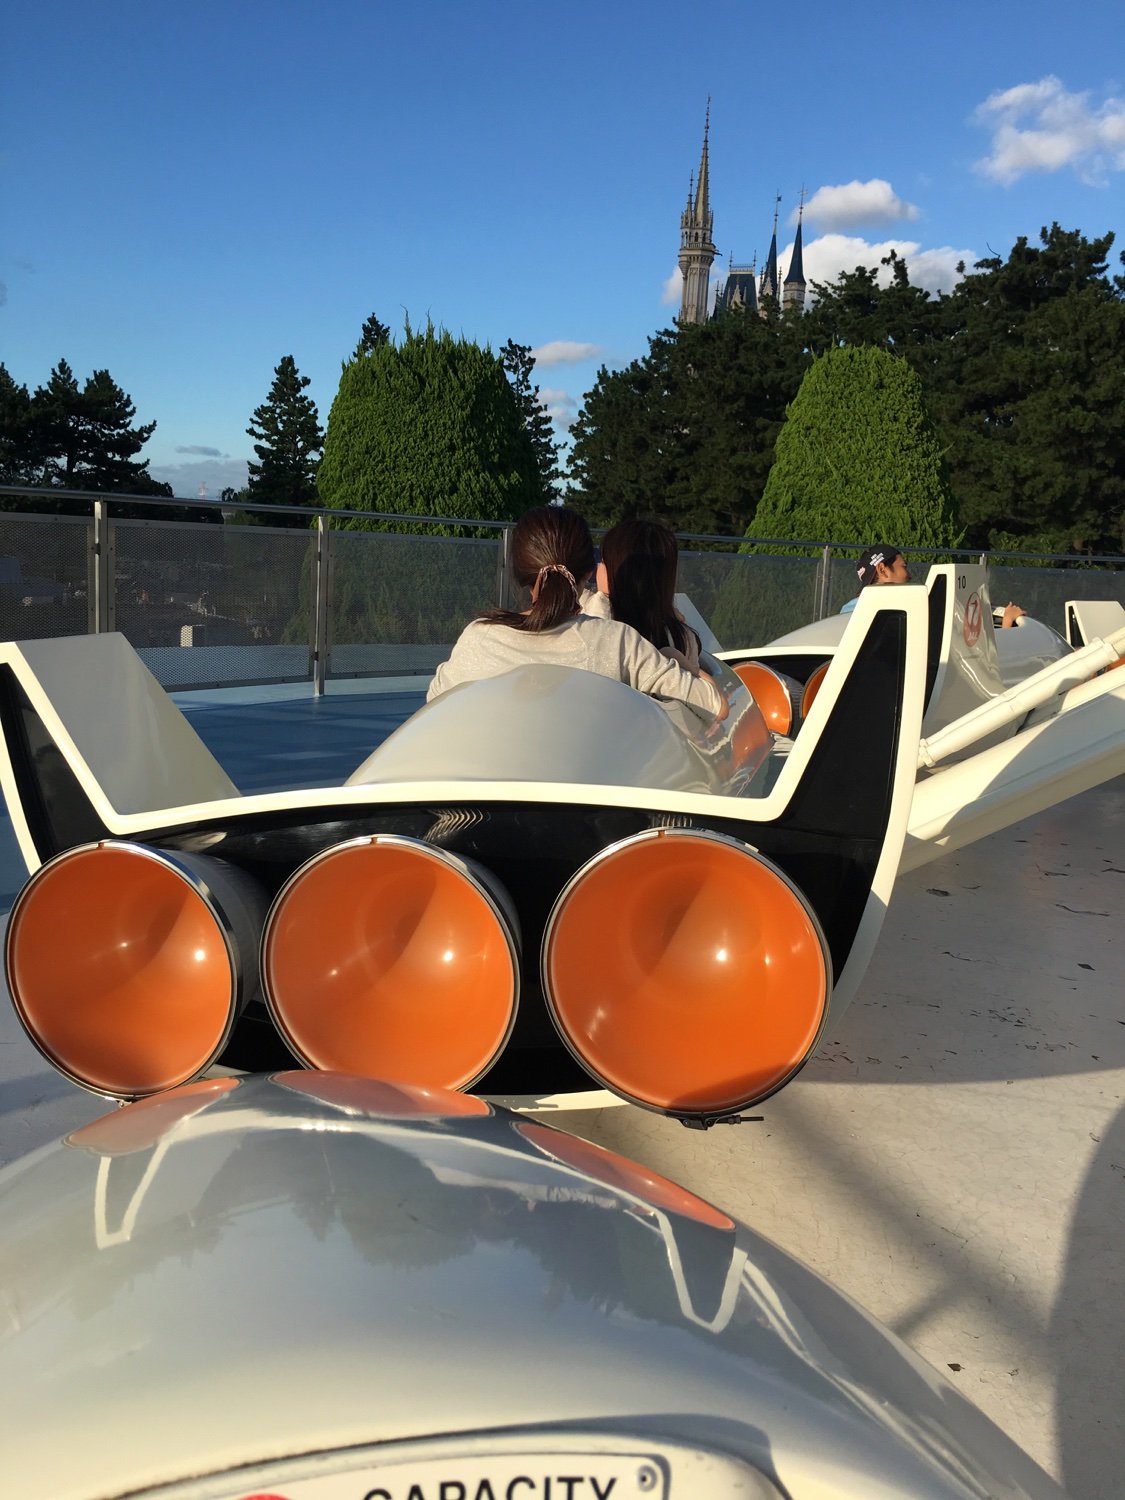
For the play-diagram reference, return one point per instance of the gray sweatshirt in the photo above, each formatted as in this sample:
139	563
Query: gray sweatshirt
596	645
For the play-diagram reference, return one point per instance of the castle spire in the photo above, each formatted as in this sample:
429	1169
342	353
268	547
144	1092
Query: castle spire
697	250
702	198
794	293
769	284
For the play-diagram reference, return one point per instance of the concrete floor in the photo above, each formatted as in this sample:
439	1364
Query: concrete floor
953	1157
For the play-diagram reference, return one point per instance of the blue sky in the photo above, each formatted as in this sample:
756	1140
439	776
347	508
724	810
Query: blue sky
191	192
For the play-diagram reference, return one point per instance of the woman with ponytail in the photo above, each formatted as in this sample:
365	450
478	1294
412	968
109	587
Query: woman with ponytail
553	557
637	584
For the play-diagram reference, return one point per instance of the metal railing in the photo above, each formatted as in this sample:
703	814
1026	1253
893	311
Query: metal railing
237	603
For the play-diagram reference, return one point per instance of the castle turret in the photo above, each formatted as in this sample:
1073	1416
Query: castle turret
768	287
697	250
739	289
793	295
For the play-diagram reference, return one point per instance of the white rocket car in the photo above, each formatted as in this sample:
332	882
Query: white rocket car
541	882
1015	720
319	1287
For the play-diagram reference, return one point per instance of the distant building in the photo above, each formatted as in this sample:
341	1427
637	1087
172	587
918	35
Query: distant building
697	250
742	287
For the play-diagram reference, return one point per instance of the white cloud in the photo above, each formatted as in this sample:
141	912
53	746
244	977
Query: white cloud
673	290
564	352
208	475
1041	127
852	203
934	269
562	407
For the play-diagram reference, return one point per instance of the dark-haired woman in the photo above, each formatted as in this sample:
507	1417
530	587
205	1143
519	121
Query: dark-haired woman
637	584
553	556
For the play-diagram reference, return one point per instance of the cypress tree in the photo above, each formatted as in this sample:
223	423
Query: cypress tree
857	458
429	426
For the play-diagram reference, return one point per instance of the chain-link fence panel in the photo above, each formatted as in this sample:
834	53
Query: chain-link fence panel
210	605
44	576
397	603
749	598
1044	591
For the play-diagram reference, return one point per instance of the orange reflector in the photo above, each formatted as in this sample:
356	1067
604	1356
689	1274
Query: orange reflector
379	1099
139	1126
121	970
387	957
770	692
622	1174
812	687
686	972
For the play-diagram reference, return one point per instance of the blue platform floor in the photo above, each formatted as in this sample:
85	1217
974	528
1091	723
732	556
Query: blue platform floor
271	738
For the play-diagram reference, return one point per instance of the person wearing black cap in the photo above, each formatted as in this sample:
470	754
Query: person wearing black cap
882	564
886	564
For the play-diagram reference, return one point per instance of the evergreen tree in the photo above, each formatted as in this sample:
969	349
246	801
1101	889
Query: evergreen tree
288	438
1028	391
428	427
858	459
519	363
686	434
84	439
1023	369
373	335
17	453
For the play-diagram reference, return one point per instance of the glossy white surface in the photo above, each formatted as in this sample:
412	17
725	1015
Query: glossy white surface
553	724
265	1269
1096	618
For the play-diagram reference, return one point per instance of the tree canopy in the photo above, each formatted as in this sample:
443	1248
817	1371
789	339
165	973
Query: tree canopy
373	335
67	436
1022	368
519	362
289	438
857	458
687	433
429	426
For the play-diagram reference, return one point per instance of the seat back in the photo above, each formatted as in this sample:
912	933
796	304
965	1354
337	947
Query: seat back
90	736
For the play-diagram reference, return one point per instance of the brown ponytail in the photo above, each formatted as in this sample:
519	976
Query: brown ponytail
551	547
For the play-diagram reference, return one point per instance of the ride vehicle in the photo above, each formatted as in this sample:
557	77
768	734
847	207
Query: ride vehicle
310	1286
542	883
1015	719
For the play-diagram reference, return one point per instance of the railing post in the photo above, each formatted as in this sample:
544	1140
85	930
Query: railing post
824	592
101	614
504	568
321	605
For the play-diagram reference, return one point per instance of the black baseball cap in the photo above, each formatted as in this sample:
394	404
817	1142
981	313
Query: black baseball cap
870	560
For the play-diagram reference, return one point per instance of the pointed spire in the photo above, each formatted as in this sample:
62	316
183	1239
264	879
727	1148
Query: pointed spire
702	206
768	287
796	274
794	294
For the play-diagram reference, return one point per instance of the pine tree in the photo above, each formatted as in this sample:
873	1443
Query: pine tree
427	427
16	447
373	335
288	438
519	363
85	438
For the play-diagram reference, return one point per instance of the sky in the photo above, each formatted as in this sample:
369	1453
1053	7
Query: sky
188	193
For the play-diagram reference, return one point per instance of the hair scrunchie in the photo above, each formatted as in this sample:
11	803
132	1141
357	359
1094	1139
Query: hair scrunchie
555	568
